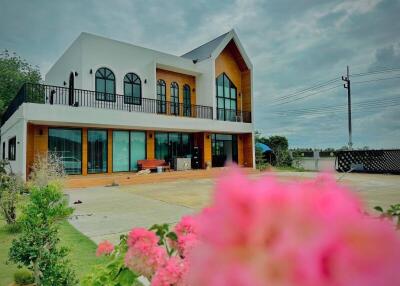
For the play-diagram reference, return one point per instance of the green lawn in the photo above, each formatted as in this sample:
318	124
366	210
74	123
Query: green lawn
82	253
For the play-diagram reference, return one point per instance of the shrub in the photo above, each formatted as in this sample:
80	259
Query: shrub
37	247
47	169
11	186
23	277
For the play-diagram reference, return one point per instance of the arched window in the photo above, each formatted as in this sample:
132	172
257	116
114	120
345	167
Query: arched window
161	97
226	98
174	98
105	85
187	101
132	89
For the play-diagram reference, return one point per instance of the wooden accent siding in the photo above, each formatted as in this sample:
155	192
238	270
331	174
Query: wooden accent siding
84	151
181	80
240	150
110	151
37	144
207	150
232	64
247	150
150	145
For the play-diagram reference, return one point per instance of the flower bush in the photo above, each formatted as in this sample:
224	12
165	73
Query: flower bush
104	248
265	232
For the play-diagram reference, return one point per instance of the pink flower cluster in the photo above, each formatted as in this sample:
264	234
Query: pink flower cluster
171	273
144	255
309	233
186	231
104	248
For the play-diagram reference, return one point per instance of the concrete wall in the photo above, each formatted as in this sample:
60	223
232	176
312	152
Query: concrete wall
15	127
315	164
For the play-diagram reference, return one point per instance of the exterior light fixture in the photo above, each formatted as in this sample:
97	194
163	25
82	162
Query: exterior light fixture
150	135
91	71
145	80
64	83
76	73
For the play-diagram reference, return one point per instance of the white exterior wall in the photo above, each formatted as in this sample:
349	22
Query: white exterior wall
15	127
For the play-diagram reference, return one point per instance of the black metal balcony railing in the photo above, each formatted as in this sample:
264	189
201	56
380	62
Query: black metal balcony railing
56	95
233	115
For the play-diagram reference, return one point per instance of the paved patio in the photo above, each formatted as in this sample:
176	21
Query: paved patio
107	212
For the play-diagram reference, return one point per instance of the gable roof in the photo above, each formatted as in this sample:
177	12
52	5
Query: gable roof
205	51
214	47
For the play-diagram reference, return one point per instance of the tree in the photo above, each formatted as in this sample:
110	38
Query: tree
14	72
37	247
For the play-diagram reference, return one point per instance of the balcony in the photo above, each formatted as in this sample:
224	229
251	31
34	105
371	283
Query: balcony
56	95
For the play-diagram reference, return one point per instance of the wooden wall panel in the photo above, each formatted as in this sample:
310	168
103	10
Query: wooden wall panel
240	150
150	145
230	62
247	150
246	90
181	80
207	151
30	156
84	152
110	151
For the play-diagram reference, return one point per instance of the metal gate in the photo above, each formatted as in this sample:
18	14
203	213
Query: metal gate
369	161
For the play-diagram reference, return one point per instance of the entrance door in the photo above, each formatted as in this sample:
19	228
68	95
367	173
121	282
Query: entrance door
224	149
71	89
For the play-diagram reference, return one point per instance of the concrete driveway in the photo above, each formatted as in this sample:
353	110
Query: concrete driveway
107	212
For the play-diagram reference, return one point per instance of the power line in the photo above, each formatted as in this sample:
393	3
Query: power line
386	70
305	96
308	89
376	79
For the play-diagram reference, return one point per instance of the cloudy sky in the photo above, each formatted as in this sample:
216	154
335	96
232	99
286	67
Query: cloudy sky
293	45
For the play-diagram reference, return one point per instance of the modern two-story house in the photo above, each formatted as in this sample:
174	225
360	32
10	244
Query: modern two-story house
106	104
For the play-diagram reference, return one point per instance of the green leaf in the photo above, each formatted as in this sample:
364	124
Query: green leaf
378	208
126	277
172	235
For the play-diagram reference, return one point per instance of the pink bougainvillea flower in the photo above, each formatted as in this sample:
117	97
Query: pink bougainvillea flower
186	230
144	255
104	248
308	233
171	273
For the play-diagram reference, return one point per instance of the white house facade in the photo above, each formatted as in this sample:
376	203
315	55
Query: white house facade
106	104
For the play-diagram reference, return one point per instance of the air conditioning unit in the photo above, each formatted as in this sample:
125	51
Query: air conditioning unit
182	164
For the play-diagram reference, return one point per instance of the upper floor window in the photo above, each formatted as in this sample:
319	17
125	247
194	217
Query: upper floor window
174	98
12	148
105	85
3	154
132	89
187	101
226	98
161	96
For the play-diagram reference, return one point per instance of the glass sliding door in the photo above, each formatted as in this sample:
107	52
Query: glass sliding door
67	145
120	151
224	149
161	146
97	151
137	148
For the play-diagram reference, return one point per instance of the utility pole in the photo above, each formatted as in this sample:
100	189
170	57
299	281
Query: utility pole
347	86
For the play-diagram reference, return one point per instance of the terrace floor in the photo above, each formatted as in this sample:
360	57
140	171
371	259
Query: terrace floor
142	200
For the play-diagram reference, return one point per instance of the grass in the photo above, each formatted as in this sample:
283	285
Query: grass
82	253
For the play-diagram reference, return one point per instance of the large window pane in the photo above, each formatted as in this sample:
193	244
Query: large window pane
120	151
67	145
138	148
97	151
161	145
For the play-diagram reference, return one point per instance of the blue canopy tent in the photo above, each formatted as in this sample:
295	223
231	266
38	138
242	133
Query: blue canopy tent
264	148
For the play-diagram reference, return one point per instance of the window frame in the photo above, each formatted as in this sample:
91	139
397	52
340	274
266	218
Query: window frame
162	101
68	128
226	98
12	146
132	82
87	155
174	98
187	101
3	154
105	79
